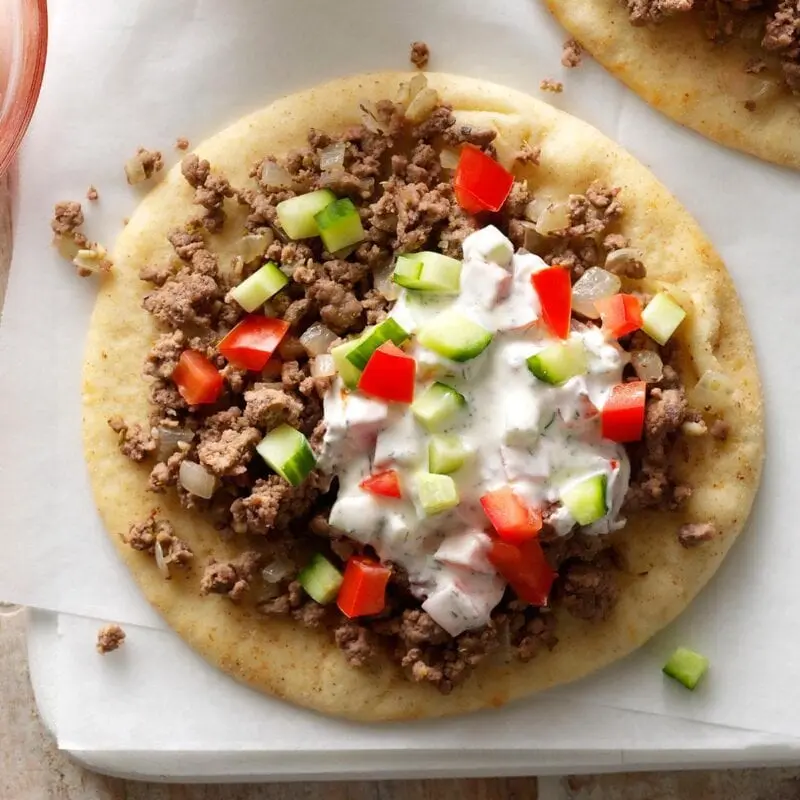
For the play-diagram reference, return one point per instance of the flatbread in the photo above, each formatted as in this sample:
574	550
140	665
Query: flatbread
676	69
303	666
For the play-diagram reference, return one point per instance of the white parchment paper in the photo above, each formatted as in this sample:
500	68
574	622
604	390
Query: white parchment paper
124	74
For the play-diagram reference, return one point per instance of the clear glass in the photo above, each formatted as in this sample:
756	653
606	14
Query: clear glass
23	49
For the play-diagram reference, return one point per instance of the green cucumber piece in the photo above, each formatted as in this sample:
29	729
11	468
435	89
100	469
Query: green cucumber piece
586	501
387	331
347	371
428	272
454	336
446	454
320	579
297	214
436	493
288	452
407	270
259	287
558	363
686	666
661	317
437	404
340	225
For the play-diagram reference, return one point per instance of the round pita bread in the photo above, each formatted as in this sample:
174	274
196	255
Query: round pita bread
679	71
304	666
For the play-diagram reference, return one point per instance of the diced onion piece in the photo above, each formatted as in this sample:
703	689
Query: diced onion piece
92	260
421	106
323	366
254	245
536	206
594	284
369	117
532	240
384	283
277	570
317	339
713	392
553	218
273	174
617	260
648	365
332	156
134	170
161	562
169	439
408	91
448	158
505	152
67	247
196	479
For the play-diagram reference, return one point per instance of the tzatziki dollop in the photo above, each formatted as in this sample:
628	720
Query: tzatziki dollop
513	430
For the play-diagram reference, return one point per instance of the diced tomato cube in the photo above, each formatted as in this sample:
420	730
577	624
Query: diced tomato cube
363	589
389	375
554	288
384	484
253	341
622	416
481	183
513	519
621	314
198	380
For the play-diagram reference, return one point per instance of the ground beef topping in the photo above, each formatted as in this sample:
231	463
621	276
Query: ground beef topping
109	638
420	54
551	85
67	218
724	20
231	578
135	441
571	54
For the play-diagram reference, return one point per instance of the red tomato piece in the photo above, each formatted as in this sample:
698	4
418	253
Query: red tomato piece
621	314
363	589
389	374
555	295
384	484
481	184
197	379
622	417
251	343
513	519
525	568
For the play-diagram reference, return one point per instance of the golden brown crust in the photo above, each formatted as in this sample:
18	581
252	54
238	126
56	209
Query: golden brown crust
300	665
675	68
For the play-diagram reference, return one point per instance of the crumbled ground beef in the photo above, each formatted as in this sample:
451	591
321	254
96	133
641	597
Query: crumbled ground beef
109	638
135	442
551	85
588	589
571	54
147	534
182	143
723	21
694	533
210	190
273	504
143	165
719	429
420	53
355	641
231	578
67	218
92	193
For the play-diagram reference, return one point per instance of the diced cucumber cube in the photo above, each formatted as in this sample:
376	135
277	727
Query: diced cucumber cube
340	225
454	336
558	363
488	244
387	331
428	272
346	370
437	404
296	215
288	452
661	317
686	666
446	454
259	287
436	493
320	579
407	270
586	500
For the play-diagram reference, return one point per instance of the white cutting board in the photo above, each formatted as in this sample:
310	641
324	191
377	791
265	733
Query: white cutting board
558	737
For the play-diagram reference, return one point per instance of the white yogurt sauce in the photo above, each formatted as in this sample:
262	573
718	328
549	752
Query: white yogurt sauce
521	432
